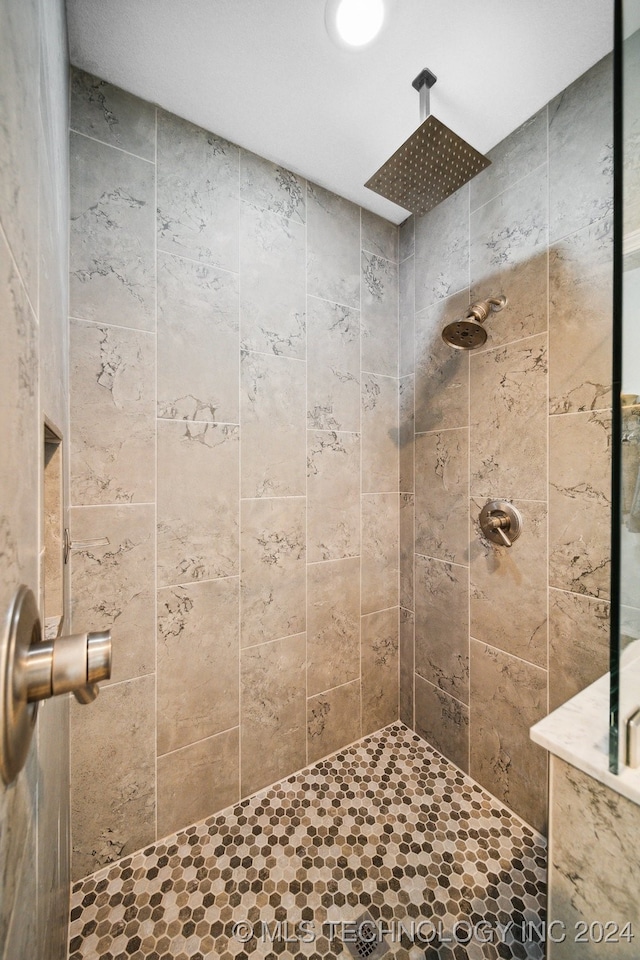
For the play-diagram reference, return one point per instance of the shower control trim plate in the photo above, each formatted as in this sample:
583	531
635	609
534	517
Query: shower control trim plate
500	522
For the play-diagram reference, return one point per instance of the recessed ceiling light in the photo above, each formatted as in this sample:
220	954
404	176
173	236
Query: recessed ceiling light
354	23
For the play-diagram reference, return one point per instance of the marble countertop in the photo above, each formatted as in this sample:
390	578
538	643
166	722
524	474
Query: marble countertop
578	732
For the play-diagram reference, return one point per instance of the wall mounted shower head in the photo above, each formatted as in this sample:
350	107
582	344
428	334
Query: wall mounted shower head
469	332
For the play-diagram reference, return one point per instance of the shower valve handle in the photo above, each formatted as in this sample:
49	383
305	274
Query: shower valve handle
499	518
499	525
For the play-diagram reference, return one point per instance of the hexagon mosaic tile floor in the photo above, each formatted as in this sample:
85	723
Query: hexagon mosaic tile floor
386	828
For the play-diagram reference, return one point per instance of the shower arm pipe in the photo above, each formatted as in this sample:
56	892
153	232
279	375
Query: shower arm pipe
423	83
481	310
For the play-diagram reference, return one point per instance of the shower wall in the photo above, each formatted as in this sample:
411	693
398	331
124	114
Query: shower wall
234	413
493	638
34	809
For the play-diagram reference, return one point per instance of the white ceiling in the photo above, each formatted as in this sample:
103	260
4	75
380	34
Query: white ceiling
264	73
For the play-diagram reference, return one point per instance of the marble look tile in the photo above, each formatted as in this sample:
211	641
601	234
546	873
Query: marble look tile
442	373
508	440
406	316
273	710
379	669
113	585
512	159
406	652
112	115
333	495
198	501
198	662
581	151
112	448
333	720
379	236
442	250
198	341
333	624
406	238
112	270
333	247
273	289
198	208
17	809
580	308
379	315
22	938
113	774
509	586
273	587
269	187
592	875
509	238
443	722
379	551
197	781
272	414
442	625
579	631
631	126
407	549
579	503
19	115
333	366
380	435
406	433
507	697
442	495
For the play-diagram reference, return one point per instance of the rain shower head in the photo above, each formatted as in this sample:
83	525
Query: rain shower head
469	332
431	165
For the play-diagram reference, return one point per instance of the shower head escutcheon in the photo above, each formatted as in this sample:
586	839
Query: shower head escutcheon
469	332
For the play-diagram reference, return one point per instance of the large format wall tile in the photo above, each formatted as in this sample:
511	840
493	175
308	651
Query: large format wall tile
406	316
443	721
407	549
333	492
198	651
113	585
406	653
512	159
580	502
270	187
442	250
379	236
333	366
581	152
406	433
273	289
442	373
198	209
509	238
112	414
272	415
198	501
198	780
333	623
379	315
580	317
198	341
113	787
509	586
442	494
273	710
112	115
380	436
579	635
273	559
333	247
508	440
507	697
333	720
112	243
442	625
379	551
406	238
379	669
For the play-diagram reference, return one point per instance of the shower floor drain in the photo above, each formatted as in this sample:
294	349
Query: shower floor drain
366	943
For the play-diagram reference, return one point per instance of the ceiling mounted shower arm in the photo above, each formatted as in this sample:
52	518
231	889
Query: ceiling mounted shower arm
423	83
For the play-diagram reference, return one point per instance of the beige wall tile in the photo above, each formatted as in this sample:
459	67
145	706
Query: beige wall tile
333	720
333	366
333	624
442	493
406	434
269	187
379	287
380	560
442	268
443	721
379	669
406	654
333	494
379	236
407	549
579	631
333	247
512	159
442	625
112	115
406	316
380	440
442	373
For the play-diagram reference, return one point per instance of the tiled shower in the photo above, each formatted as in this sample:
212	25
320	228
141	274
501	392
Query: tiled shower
287	465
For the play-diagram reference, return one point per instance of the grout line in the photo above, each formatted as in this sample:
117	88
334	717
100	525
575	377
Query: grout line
468	644
265	643
338	686
114	326
336	303
193	743
306	487
155	242
450	563
580	413
361	730
113	146
510	186
239	509
513	656
199	263
548	423
447	694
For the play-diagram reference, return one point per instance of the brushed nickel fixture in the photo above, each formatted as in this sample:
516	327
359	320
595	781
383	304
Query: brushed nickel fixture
431	165
33	669
468	333
500	522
